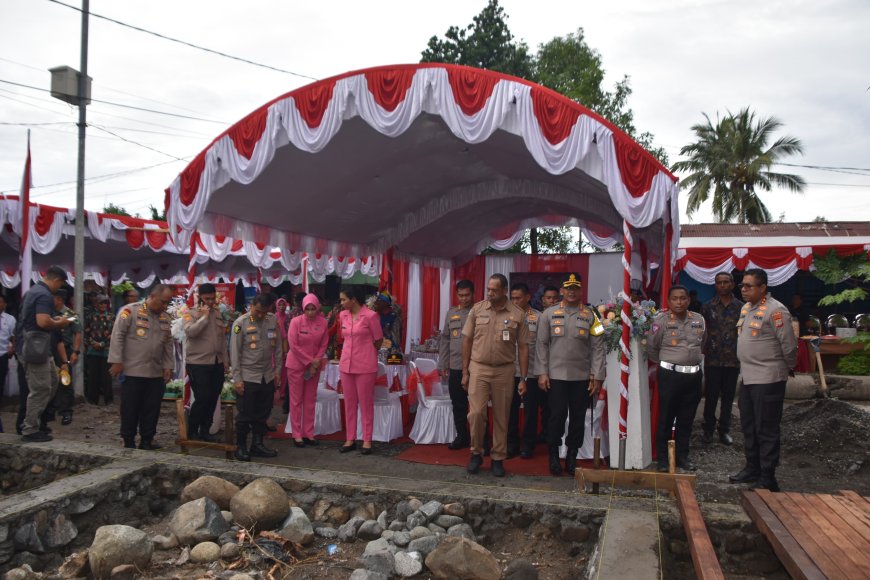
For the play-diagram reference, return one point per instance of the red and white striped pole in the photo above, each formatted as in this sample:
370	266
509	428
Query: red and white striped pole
625	342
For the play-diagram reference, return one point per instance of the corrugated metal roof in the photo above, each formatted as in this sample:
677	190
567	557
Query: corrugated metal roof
801	229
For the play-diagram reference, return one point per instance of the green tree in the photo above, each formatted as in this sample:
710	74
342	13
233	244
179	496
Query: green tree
156	214
732	159
115	210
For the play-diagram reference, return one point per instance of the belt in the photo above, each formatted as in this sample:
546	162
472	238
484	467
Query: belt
685	369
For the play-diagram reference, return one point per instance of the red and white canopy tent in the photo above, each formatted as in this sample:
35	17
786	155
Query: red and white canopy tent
121	247
781	249
423	163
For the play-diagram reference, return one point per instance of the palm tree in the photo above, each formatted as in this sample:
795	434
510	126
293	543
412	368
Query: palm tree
733	160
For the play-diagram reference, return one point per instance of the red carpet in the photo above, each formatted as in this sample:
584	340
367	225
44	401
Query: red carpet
441	455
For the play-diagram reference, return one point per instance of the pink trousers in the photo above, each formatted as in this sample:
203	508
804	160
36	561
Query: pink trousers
303	399
359	389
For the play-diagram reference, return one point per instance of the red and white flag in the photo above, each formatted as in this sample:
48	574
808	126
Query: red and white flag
25	266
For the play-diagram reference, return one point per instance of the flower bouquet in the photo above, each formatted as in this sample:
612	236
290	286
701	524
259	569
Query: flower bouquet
228	392
642	314
174	389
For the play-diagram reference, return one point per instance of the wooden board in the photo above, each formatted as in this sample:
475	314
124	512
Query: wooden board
632	479
796	561
703	554
815	533
229	447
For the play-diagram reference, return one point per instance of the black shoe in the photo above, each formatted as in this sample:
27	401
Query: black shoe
208	437
459	443
555	466
725	439
298	443
260	450
129	444
311	442
365	451
150	445
527	453
474	463
66	419
686	465
271	428
662	467
241	453
45	429
38	437
497	468
746	475
707	438
767	482
571	461
347	448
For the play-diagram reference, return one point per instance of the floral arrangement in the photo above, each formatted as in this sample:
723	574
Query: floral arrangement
174	389
642	314
178	308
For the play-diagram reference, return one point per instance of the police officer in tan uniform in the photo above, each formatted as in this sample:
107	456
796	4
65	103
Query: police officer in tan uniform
142	349
570	362
520	296
767	350
206	360
676	344
256	355
450	361
493	337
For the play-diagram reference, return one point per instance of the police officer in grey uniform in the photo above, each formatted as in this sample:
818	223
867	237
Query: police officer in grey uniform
142	349
256	355
206	360
450	361
520	296
570	365
767	350
676	344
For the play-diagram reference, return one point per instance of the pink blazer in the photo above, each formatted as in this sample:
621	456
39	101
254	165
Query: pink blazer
308	340
358	355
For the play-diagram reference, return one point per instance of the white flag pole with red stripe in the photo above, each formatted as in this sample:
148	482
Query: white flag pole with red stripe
25	265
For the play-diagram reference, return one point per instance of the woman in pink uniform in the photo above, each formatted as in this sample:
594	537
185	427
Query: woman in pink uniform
361	329
307	338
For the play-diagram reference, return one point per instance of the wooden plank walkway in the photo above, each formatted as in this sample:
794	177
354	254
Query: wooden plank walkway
815	536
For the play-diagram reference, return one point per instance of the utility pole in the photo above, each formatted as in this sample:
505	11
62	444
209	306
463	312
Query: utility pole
79	290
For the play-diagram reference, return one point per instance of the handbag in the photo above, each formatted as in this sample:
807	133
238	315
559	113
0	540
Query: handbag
36	346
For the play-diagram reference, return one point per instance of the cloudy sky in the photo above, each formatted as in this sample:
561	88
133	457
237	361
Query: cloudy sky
804	62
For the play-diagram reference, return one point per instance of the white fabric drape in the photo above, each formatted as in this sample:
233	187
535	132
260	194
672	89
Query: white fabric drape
414	321
496	264
446	294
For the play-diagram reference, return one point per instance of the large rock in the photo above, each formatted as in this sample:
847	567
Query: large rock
219	490
24	572
319	509
165	542
425	545
521	569
363	574
262	504
118	545
230	551
448	522
347	532
59	533
419	532
297	527
454	509
326	532
75	566
401	539
462	531
431	509
378	545
198	521
205	552
408	564
416	520
462	559
380	561
369	530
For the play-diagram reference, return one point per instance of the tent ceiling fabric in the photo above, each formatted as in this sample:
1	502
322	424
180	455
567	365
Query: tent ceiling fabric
430	159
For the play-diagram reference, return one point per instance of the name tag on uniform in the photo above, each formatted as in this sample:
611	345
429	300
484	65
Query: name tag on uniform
140	332
271	334
506	335
455	333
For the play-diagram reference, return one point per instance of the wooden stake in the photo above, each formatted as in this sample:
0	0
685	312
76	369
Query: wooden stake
823	383
182	422
672	456
596	461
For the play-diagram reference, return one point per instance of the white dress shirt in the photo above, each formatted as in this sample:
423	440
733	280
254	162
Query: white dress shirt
7	330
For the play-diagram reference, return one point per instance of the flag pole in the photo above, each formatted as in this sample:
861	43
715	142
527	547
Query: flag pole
79	289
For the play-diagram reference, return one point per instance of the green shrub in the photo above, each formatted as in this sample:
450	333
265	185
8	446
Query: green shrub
855	363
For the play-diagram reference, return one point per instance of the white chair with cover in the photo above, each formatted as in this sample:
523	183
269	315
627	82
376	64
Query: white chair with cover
327	409
426	366
434	422
388	411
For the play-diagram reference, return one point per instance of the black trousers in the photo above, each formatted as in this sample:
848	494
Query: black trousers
99	381
459	398
568	400
64	398
140	406
206	382
254	407
530	402
719	383
679	395
760	415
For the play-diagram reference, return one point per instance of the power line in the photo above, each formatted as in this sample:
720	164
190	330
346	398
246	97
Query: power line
190	44
94	179
167	113
10	123
841	184
825	167
135	142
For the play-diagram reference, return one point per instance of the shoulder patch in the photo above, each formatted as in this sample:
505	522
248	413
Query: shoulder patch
655	328
125	314
237	329
777	319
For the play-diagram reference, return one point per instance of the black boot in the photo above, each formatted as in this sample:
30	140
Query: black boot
149	444
204	434
129	443
748	474
555	467
260	450
462	441
241	453
571	461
